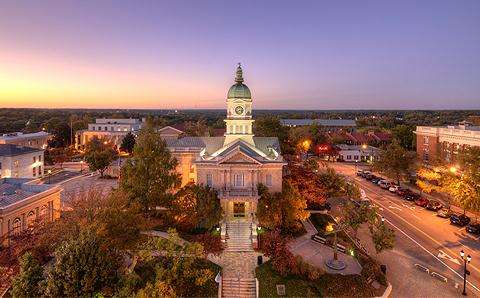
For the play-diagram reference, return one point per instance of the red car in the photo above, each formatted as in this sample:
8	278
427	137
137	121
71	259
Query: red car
422	202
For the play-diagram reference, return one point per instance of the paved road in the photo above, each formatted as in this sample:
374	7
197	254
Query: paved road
425	239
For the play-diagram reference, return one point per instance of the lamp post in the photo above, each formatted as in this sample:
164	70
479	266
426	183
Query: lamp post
466	260
81	166
49	174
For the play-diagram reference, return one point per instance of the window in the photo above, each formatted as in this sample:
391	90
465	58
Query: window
111	128
34	171
93	127
210	180
39	170
268	180
238	180
349	157
106	128
43	212
16	226
355	157
15	163
30	218
34	159
40	158
0	165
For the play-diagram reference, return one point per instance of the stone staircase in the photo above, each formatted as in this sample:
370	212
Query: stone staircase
241	288
238	237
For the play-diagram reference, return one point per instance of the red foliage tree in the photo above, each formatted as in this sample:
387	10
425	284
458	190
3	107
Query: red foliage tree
275	247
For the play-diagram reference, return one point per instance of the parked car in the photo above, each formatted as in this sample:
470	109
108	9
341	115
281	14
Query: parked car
459	220
444	212
368	176
411	196
422	202
401	191
360	173
384	184
393	188
434	205
473	228
375	180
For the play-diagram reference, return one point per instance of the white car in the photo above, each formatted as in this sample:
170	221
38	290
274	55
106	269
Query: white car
393	188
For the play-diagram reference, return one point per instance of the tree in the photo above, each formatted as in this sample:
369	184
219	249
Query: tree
196	129
383	237
29	282
395	162
150	176
83	266
404	136
275	247
270	126
196	207
128	143
285	210
99	154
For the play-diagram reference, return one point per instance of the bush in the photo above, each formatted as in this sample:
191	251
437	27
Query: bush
211	244
274	246
306	270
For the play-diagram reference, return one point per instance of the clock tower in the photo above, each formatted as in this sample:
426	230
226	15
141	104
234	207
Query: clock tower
239	120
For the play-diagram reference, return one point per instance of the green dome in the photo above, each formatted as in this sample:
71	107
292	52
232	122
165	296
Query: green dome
239	90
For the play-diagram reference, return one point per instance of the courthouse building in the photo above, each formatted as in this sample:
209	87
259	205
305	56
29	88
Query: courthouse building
233	164
444	143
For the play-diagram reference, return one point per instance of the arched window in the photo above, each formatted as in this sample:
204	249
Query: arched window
16	226
30	218
43	212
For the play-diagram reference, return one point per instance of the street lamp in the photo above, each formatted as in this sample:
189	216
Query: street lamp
466	260
49	174
453	169
81	166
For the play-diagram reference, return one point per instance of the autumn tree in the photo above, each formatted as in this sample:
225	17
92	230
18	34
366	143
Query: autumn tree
149	177
404	136
83	266
197	128
128	143
99	154
29	282
395	162
285	210
196	207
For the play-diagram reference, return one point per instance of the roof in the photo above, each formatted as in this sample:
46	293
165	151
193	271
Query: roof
13	150
357	147
322	122
13	190
239	89
214	144
358	137
20	135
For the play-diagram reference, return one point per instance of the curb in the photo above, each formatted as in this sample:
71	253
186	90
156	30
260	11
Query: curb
387	292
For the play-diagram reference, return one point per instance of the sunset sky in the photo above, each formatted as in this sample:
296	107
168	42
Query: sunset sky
296	54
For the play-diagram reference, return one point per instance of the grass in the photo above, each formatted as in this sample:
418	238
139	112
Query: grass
328	285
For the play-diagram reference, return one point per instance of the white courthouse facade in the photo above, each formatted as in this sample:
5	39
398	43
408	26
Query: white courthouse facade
235	163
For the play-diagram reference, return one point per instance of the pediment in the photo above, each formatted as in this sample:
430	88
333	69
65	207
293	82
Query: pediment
168	130
238	157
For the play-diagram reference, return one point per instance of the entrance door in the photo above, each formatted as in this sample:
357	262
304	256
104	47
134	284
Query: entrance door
238	209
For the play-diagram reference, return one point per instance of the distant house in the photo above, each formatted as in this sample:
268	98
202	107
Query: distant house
330	124
20	161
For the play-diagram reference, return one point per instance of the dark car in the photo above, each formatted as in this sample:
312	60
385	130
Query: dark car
375	179
422	202
473	228
401	191
360	173
444	212
411	196
368	176
459	220
434	205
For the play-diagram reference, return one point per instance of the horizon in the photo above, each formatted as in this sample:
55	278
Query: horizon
182	55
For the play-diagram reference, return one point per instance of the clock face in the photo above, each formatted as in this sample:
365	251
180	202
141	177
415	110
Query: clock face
239	110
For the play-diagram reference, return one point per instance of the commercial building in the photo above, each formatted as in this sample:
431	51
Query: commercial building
112	130
36	140
436	143
20	161
357	153
22	204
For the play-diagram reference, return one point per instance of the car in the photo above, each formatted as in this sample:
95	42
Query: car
385	184
360	173
401	191
374	180
368	176
459	220
473	228
422	202
434	205
444	212
411	196
393	188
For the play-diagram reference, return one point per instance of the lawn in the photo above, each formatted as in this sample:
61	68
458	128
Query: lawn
328	285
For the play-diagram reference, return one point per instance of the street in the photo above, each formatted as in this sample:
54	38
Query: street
423	241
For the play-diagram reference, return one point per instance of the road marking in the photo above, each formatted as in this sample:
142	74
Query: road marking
426	235
443	255
395	207
426	250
